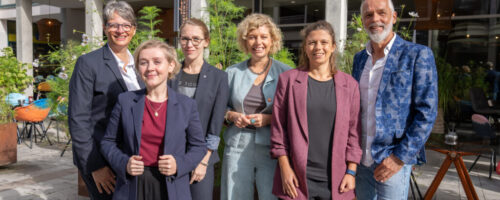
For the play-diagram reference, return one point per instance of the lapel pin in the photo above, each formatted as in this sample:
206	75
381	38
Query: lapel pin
204	76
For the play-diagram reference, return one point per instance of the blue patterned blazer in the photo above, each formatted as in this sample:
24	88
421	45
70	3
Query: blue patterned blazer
407	101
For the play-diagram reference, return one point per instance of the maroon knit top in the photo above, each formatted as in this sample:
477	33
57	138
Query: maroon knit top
153	132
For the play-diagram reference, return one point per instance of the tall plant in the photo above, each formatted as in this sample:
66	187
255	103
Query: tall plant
447	81
223	40
13	78
65	57
354	44
147	26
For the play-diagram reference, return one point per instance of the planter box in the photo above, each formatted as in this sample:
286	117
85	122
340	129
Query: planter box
8	143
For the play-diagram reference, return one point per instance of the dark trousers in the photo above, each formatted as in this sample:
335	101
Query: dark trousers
319	190
203	190
92	189
151	185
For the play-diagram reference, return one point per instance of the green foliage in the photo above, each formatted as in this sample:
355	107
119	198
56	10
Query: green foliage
147	27
447	77
13	78
65	57
354	44
357	40
285	56
454	84
223	38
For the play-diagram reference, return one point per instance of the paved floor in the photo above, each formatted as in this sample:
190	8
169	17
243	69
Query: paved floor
451	187
41	173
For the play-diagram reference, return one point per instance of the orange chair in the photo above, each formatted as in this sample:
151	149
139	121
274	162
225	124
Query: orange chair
31	116
42	88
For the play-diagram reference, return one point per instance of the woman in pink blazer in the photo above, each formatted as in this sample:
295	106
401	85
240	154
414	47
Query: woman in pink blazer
314	128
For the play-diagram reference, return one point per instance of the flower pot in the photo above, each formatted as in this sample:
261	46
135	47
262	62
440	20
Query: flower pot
8	143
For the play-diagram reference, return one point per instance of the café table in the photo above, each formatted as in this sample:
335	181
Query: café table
454	154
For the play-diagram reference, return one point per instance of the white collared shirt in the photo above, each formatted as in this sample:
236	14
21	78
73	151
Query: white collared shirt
368	86
127	72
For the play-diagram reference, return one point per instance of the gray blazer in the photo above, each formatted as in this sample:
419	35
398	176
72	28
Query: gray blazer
240	81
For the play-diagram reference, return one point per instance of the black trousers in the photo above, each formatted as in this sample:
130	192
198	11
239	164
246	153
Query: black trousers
319	190
203	190
151	185
92	189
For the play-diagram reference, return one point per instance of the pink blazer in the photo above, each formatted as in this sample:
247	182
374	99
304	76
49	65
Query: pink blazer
289	131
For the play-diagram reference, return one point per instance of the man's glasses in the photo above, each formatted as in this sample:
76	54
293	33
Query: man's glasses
116	26
194	41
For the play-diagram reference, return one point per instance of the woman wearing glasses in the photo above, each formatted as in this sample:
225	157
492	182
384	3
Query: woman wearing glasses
97	79
208	86
154	136
251	89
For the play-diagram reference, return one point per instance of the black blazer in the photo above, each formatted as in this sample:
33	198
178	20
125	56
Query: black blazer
183	140
93	90
211	96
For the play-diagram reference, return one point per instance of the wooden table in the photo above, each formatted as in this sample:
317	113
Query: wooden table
454	156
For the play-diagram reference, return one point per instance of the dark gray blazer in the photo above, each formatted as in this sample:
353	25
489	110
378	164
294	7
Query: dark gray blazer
93	91
211	97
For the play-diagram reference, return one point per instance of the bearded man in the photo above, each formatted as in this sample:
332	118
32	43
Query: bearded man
398	88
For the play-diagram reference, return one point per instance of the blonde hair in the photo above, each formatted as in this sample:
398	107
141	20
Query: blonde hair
169	51
319	25
254	21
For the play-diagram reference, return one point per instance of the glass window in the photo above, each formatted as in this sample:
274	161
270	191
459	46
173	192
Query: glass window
471	40
295	11
471	7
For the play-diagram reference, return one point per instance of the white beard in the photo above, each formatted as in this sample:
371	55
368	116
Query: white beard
379	37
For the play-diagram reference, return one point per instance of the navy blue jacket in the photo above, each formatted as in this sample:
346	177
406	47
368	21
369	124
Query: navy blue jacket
94	87
183	139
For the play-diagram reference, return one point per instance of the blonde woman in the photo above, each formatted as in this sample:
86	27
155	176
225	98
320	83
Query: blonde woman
154	138
208	86
252	84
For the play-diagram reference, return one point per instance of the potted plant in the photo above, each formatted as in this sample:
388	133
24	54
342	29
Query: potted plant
13	78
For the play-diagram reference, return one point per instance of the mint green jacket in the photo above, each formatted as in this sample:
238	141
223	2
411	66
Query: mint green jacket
240	81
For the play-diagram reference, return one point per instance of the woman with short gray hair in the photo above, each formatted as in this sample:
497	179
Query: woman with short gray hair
97	79
122	8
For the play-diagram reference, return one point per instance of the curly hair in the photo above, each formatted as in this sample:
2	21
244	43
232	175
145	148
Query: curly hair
254	21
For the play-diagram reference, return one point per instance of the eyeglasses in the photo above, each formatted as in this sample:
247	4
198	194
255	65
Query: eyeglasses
116	26
194	41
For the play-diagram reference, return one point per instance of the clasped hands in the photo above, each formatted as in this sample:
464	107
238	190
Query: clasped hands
166	165
241	120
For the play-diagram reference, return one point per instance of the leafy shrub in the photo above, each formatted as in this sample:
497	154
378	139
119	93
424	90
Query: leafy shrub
13	78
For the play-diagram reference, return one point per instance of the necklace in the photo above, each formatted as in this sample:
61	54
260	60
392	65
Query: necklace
262	72
156	110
